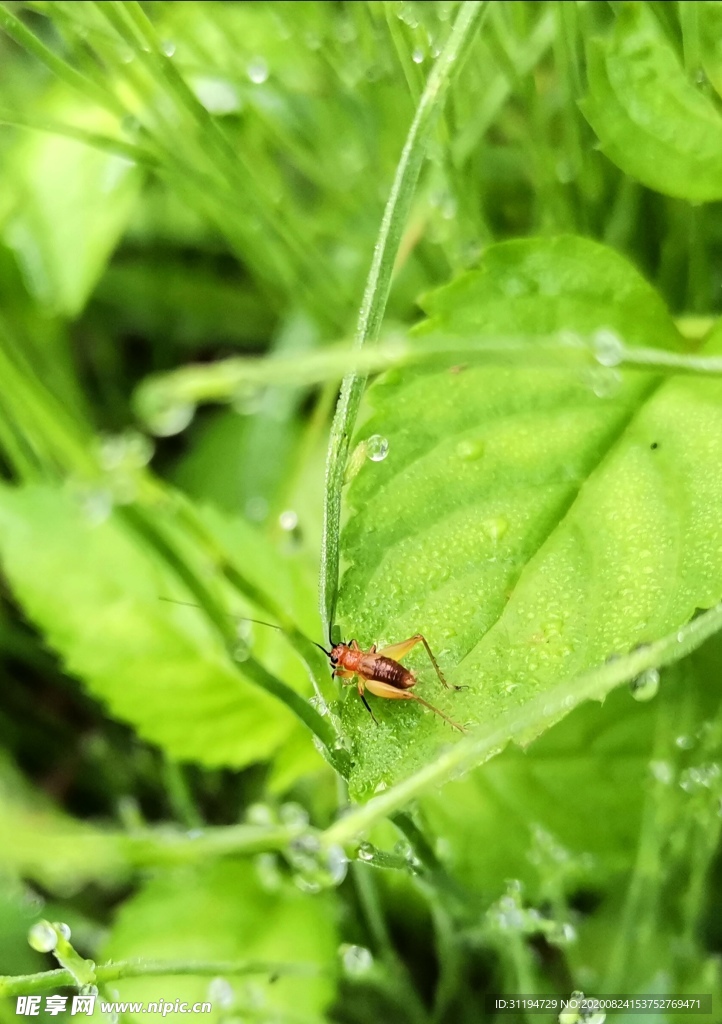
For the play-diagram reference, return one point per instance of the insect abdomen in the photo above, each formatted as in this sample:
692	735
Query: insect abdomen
386	670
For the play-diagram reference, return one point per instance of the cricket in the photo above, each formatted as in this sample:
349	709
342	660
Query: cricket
382	674
378	671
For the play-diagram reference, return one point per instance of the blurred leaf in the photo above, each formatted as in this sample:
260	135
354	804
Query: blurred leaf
584	783
710	28
221	912
191	306
72	203
527	526
158	666
651	121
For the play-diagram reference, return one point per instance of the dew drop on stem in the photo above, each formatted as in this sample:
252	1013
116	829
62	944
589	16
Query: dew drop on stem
42	937
355	960
646	685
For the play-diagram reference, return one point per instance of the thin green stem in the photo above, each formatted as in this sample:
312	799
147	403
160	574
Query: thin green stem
225	380
105	143
27	984
525	723
144	526
378	285
64	71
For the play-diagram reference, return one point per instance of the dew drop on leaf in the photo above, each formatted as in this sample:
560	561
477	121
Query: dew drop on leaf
377	448
288	520
470	449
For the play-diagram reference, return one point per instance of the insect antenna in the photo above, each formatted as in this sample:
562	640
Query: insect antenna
243	618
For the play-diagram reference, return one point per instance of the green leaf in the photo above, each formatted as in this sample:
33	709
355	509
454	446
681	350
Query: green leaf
221	912
95	592
584	783
72	203
651	121
529	528
710	30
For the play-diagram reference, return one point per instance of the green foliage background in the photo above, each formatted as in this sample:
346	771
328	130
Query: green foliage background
523	201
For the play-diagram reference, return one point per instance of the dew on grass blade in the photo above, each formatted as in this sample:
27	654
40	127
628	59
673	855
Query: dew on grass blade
257	70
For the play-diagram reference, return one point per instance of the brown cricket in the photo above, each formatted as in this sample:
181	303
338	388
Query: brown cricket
381	672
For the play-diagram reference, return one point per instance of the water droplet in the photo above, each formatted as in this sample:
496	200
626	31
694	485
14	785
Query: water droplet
128	451
293	815
316	867
220	992
171	419
646	685
377	448
662	771
260	814
684	742
418	55
356	960
608	348
495	528
470	449
168	47
365	851
96	505
42	937
605	382
241	651
256	509
563	934
62	929
288	520
257	71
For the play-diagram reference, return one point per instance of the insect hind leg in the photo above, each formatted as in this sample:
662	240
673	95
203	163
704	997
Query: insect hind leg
400	650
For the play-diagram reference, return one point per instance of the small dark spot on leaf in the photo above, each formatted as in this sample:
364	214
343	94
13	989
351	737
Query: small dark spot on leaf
654	444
